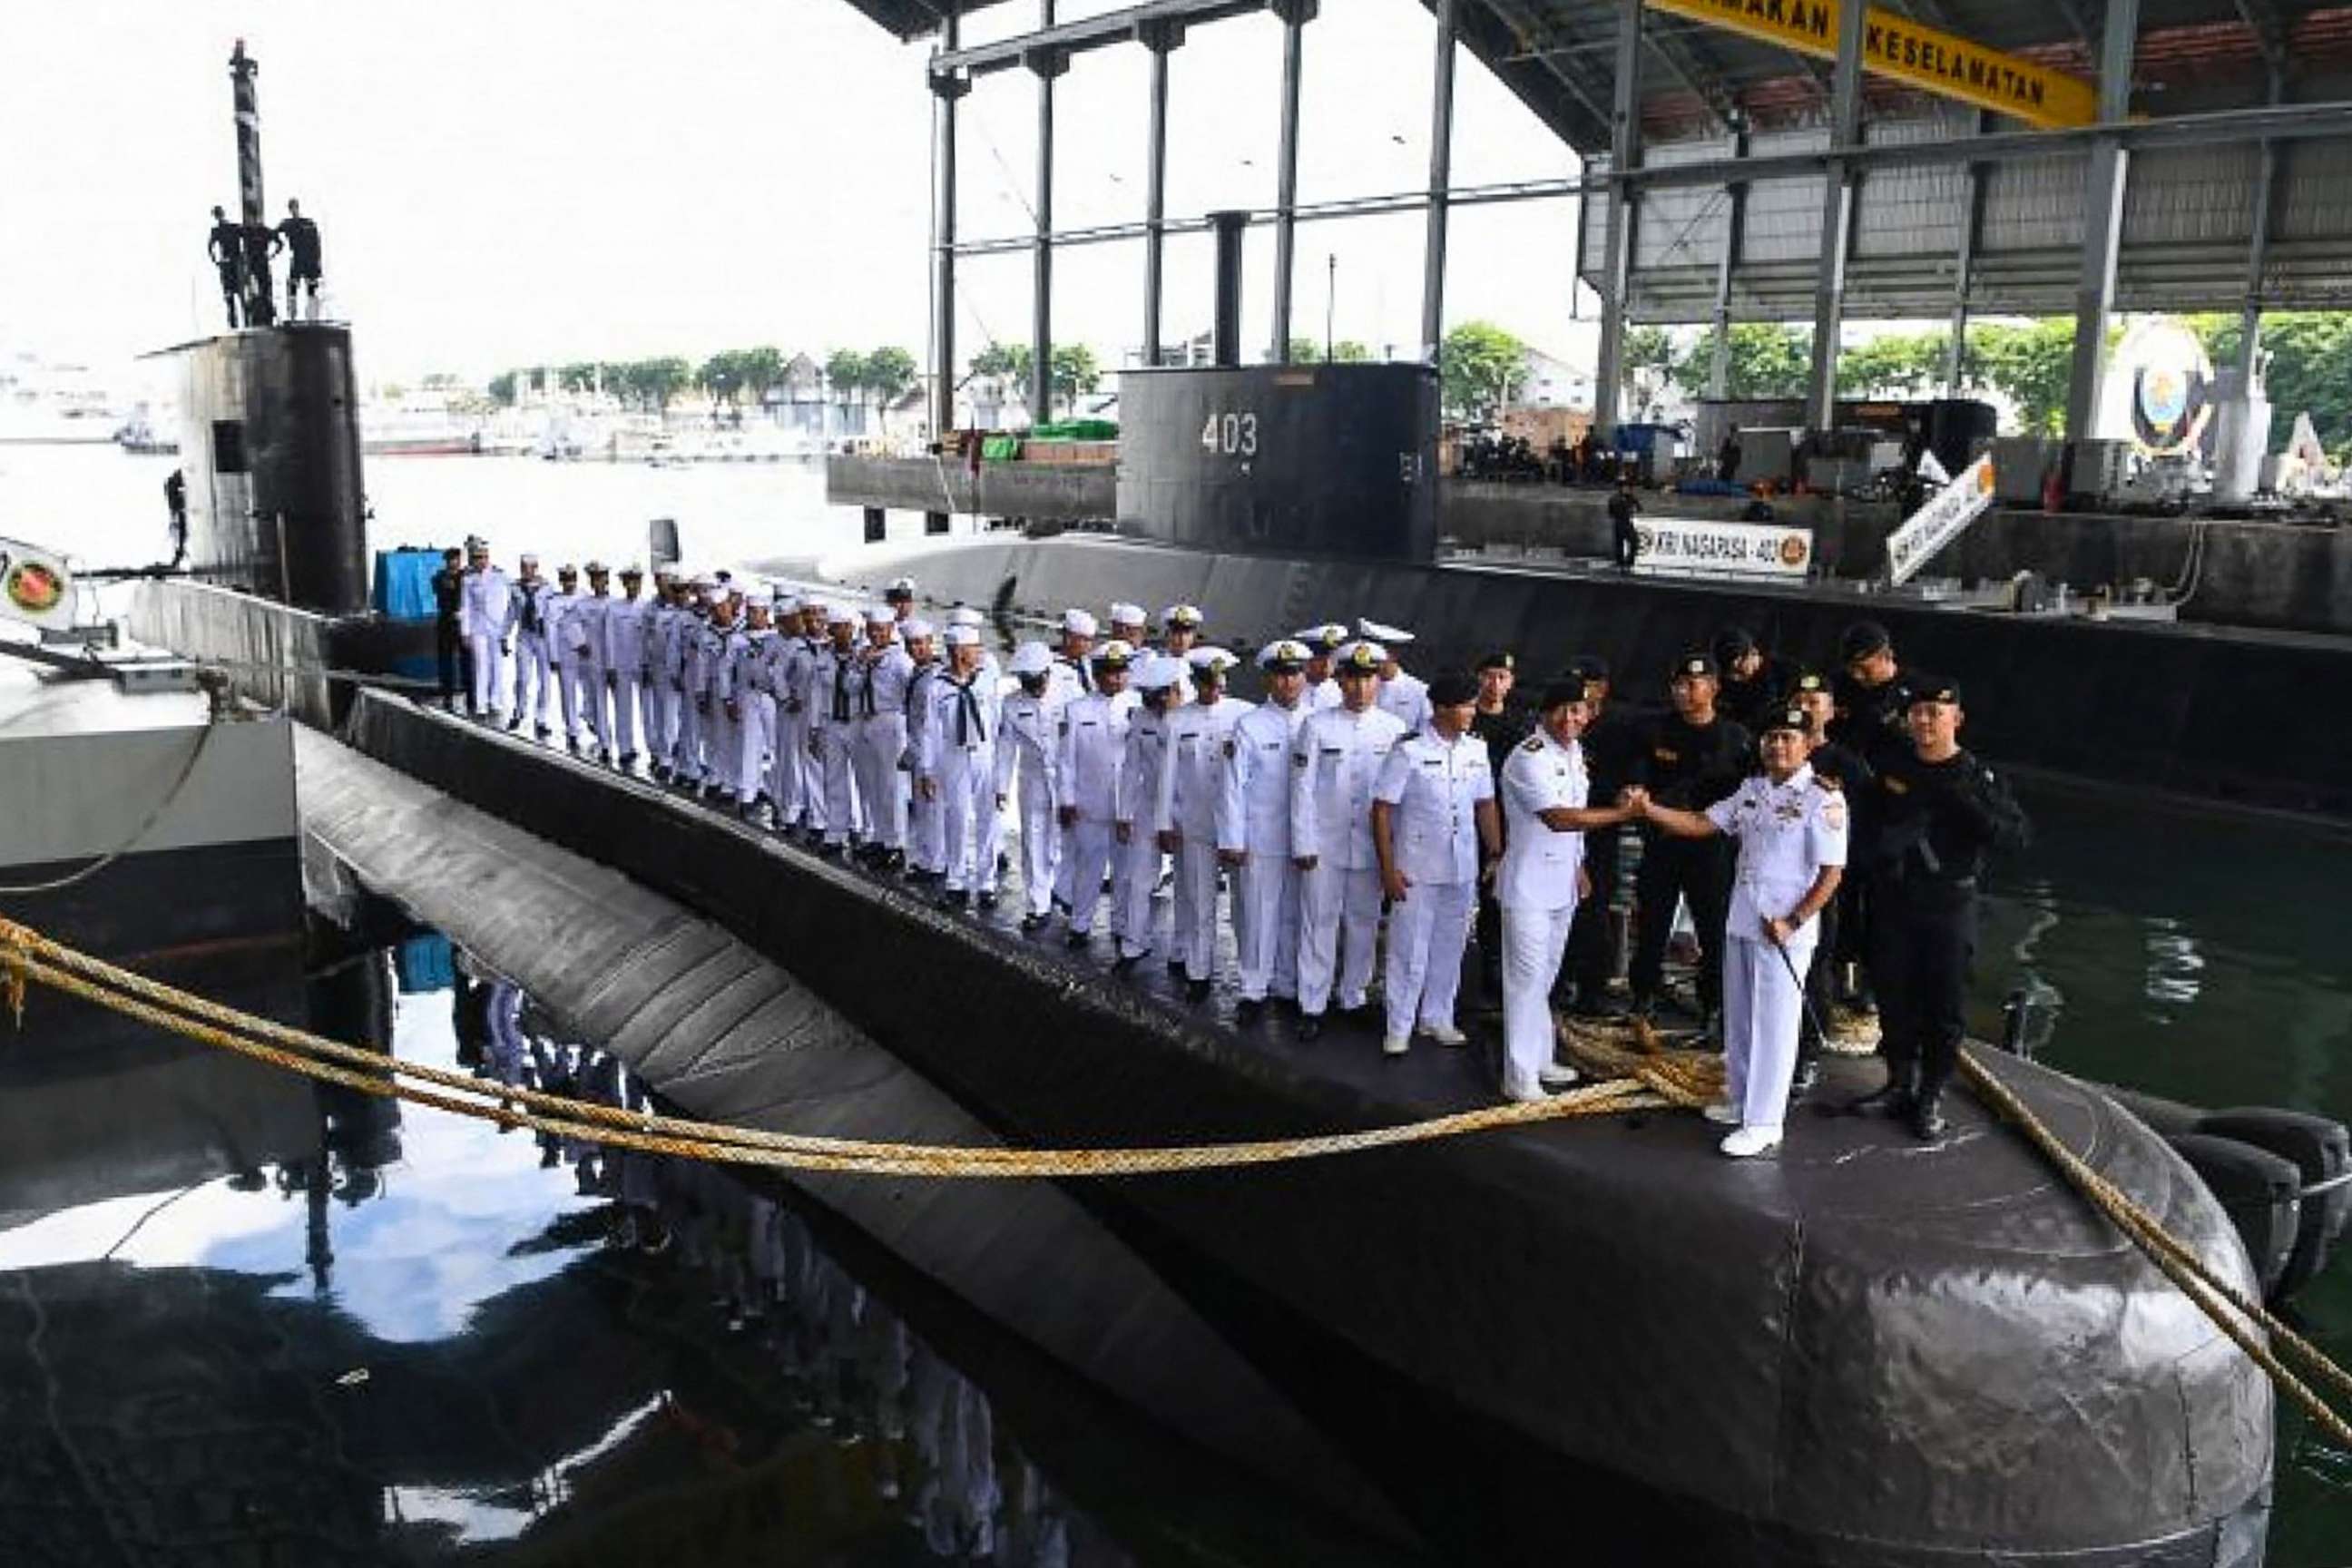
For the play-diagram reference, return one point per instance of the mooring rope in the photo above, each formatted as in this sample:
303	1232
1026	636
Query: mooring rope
1648	1077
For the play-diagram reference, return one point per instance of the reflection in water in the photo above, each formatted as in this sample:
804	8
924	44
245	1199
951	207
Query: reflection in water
494	1338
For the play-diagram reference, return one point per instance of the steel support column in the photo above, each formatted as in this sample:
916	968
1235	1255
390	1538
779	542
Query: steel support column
1726	261
2258	250
1161	40
2103	221
1837	220
1441	175
1617	247
945	92
1047	64
1295	15
1964	267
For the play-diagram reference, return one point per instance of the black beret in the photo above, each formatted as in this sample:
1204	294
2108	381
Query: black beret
1451	690
1589	667
1733	642
1691	666
1560	694
1932	688
1862	639
1781	718
1498	660
1811	680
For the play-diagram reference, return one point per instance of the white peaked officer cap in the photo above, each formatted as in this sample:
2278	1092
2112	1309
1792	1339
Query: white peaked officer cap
1180	615
963	636
1126	615
1157	671
1078	623
1031	658
1287	652
1212	661
1378	632
964	616
1361	655
916	630
1323	638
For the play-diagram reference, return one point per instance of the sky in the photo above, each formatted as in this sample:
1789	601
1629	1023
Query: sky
507	183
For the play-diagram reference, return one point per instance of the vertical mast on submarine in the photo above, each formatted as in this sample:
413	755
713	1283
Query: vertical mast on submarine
259	306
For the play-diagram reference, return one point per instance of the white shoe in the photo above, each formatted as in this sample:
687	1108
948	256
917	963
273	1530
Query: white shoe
1445	1033
1722	1114
1395	1046
1749	1142
1558	1075
1526	1094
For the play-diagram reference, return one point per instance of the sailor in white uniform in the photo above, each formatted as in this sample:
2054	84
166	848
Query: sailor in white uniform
721	651
1192	785
755	698
1129	624
625	625
1406	696
534	673
926	844
832	727
660	697
584	651
1791	829
1323	643
961	754
880	735
1334	762
1180	629
1135	803
1253	832
1025	748
1434	825
1544	788
1072	674
798	638
1089	738
484	597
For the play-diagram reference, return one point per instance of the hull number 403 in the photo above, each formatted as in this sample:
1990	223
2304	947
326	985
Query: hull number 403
1234	435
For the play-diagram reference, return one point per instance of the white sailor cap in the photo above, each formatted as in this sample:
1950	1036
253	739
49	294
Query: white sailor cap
1154	671
916	629
567	570
598	569
632	569
787	601
1127	615
667	569
839	614
1031	658
1378	632
1078	623
1211	662
1182	616
964	616
528	559
1284	653
1361	654
880	615
963	636
1324	638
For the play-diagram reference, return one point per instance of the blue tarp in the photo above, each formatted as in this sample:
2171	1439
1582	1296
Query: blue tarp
424	963
404	583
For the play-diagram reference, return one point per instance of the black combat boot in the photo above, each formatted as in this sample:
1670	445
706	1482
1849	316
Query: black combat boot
1894	1097
1926	1117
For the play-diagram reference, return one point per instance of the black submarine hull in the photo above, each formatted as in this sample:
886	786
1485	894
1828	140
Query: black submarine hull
1866	1353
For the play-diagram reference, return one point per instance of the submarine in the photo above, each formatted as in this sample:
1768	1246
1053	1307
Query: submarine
1868	1351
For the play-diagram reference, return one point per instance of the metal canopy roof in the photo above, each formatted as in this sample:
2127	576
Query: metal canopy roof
1556	54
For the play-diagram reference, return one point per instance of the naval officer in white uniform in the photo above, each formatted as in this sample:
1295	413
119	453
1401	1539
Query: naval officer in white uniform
1253	832
1544	788
1433	824
1791	829
1334	762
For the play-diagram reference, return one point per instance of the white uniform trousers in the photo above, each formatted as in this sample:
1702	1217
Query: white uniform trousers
686	750
661	702
788	768
1428	933
629	691
1192	924
1134	877
835	791
534	677
1338	915
757	733
1762	1007
583	706
879	740
487	674
1087	846
968	818
1041	843
1265	926
722	745
1533	940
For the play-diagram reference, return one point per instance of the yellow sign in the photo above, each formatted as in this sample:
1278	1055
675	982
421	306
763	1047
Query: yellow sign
1927	58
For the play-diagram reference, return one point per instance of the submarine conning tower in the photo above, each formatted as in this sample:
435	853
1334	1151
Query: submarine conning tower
269	438
1317	459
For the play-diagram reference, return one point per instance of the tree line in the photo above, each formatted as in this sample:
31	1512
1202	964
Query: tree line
736	377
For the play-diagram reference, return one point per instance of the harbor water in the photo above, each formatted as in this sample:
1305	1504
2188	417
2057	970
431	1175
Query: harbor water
2189	953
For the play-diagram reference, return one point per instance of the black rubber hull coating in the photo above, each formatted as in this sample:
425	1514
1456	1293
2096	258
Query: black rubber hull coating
1865	1352
2204	711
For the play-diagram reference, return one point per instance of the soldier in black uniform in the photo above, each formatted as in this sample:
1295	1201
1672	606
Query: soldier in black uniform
1690	758
260	308
1754	683
1873	692
1612	747
226	248
1624	539
299	236
1936	813
1502	722
448	606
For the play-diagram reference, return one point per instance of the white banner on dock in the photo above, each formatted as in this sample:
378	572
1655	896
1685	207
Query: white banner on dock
1685	547
1939	522
36	586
